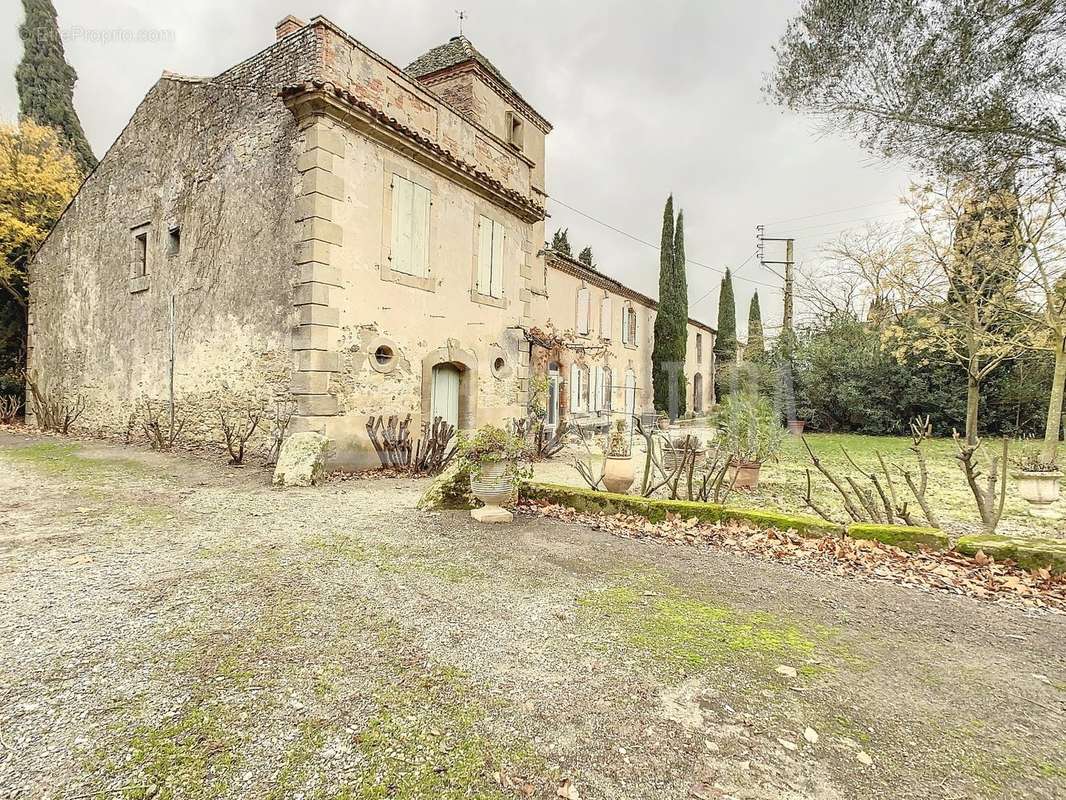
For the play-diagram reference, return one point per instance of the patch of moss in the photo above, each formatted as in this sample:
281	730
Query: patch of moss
194	751
1029	553
903	536
423	742
676	630
64	459
298	766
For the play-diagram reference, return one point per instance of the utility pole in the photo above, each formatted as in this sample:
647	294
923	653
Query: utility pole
789	264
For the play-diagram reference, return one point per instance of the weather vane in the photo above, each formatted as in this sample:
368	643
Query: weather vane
461	15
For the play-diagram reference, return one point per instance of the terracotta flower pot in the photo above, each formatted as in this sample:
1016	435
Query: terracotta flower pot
746	472
1041	490
796	426
618	474
493	487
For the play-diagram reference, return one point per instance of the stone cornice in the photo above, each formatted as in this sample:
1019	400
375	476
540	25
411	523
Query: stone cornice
323	98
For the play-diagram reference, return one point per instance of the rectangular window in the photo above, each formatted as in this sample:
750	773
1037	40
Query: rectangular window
699	347
490	257
515	130
410	227
140	254
625	324
174	241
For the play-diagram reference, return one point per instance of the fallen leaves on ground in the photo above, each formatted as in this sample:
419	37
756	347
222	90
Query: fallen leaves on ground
979	576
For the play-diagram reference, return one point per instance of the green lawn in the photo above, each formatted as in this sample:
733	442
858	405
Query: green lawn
782	483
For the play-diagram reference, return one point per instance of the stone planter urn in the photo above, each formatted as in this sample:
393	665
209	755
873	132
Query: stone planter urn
746	474
1041	490
618	474
493	487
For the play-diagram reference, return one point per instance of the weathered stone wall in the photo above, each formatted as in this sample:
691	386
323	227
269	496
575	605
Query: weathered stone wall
215	162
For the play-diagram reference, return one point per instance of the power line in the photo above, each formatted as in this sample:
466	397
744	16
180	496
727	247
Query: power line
886	217
646	243
707	294
834	211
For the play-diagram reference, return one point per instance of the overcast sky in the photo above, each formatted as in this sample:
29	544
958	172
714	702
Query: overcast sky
645	98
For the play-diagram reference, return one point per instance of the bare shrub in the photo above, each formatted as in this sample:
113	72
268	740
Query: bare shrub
280	417
10	406
53	409
237	429
161	425
393	444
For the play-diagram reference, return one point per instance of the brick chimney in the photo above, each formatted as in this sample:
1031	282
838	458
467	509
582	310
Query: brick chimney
288	25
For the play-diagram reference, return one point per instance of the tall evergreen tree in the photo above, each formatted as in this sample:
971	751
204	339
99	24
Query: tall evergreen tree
756	347
661	347
46	81
561	242
681	315
585	257
725	343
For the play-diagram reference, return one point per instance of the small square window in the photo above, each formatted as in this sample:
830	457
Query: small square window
515	130
174	240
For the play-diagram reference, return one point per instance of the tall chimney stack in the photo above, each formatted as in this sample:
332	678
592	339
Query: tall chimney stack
288	25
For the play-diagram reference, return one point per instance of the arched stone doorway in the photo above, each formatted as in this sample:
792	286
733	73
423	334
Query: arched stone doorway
449	386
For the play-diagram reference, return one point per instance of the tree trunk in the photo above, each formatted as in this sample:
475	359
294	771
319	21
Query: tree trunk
1054	411
973	400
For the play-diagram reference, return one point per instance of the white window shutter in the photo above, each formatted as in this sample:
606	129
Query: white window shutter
419	230
605	317
625	324
496	276
575	386
583	311
597	377
401	224
484	255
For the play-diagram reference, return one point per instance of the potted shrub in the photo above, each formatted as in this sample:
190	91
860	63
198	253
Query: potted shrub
493	457
1039	484
674	450
750	431
618	468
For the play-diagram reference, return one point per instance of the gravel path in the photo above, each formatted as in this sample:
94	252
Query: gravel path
172	628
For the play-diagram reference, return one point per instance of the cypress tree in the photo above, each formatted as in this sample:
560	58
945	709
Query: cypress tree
561	241
585	257
46	81
756	343
681	314
663	347
725	343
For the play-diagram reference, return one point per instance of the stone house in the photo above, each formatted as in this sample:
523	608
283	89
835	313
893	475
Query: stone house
318	226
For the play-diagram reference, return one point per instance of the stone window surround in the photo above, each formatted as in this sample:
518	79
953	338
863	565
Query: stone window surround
372	348
422	178
140	281
504	372
466	362
483	209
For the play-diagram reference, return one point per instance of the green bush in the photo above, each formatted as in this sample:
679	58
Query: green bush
749	428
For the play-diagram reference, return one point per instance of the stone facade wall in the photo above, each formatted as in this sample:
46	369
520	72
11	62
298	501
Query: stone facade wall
206	172
420	323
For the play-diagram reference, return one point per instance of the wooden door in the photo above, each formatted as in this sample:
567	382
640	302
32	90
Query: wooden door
446	378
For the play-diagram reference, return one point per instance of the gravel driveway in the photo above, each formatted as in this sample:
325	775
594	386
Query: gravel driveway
176	629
